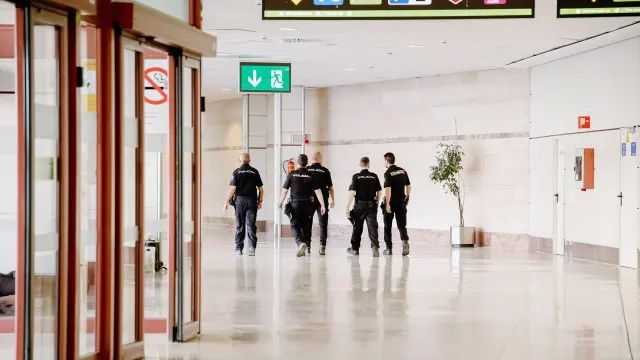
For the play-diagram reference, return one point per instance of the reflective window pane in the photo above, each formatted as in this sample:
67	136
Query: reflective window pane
8	179
88	192
45	216
187	193
129	206
156	184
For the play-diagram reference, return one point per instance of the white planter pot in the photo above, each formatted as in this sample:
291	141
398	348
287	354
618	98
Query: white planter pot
463	236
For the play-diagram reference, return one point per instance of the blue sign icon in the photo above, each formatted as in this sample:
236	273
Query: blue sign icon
410	2
328	2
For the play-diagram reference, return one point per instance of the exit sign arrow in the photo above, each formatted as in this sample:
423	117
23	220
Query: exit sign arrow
255	80
265	77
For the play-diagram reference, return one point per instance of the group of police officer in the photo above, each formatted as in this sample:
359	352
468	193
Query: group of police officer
309	190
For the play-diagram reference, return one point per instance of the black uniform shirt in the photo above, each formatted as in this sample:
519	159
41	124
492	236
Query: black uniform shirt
301	184
366	184
246	179
396	178
322	176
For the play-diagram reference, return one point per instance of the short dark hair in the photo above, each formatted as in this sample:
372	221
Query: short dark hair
364	161
391	159
303	160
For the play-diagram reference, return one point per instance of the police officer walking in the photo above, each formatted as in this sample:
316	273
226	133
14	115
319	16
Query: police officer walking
397	190
322	176
246	194
302	187
366	190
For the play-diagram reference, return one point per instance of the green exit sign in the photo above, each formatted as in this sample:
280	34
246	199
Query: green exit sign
265	78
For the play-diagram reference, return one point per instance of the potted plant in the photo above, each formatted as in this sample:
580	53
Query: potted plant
448	173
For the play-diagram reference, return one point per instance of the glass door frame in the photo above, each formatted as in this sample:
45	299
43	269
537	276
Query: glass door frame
135	349
186	330
27	17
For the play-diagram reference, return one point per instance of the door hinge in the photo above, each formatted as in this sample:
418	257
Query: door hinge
203	104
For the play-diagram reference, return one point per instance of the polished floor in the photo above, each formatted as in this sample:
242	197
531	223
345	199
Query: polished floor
486	303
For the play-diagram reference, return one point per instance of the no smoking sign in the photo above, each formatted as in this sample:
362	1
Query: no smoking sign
156	85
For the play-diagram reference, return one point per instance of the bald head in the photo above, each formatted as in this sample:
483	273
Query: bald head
245	158
317	157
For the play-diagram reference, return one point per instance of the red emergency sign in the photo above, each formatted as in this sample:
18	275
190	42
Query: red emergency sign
584	122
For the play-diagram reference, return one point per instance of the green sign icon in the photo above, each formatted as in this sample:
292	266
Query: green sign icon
265	78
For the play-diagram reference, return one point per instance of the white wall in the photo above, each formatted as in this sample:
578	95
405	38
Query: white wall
221	144
603	83
410	118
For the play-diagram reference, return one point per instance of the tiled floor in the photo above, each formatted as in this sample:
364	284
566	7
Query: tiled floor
437	304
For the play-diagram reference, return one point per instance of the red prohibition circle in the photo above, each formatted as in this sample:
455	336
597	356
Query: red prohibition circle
163	95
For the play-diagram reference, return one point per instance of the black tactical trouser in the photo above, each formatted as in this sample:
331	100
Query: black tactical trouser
246	211
365	211
302	220
323	221
399	211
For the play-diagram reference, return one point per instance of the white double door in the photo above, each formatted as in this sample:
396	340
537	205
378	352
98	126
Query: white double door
615	199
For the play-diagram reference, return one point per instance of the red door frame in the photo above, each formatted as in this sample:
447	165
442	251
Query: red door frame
26	18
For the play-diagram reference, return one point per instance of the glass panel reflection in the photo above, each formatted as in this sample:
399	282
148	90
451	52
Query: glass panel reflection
88	192
45	214
187	193
8	180
129	208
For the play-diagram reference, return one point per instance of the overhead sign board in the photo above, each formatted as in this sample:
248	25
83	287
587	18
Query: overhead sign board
395	9
595	8
265	78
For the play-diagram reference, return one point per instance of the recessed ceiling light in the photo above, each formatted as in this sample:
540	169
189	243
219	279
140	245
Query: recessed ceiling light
415	46
287	29
350	69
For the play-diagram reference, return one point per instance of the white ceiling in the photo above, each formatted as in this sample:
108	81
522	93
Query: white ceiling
348	52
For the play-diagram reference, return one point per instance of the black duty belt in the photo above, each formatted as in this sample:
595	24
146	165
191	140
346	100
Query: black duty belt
366	202
309	199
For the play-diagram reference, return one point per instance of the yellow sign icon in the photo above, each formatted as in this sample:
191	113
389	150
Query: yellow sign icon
296	2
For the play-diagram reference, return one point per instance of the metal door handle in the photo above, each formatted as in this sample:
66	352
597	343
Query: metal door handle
620	197
557	196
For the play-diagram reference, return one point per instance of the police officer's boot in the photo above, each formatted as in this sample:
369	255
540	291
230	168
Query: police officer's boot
309	250
376	252
405	248
322	251
302	250
238	252
387	252
352	252
251	252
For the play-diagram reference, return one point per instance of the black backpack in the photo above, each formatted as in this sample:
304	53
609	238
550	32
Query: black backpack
8	284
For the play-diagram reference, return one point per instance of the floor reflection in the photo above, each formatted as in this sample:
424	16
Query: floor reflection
456	304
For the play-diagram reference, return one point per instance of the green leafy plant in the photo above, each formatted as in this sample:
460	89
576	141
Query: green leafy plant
448	173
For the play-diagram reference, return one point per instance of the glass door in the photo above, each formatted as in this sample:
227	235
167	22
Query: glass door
47	255
130	201
187	304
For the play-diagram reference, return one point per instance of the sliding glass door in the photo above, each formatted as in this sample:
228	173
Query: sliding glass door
130	201
48	171
187	300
